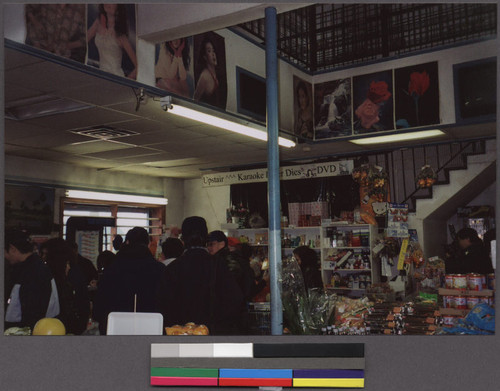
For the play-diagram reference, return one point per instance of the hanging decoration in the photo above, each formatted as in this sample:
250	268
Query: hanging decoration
426	177
374	179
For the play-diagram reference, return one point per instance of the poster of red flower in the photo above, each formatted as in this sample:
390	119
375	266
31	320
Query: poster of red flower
373	102
416	95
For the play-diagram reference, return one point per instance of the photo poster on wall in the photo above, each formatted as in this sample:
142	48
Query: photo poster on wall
416	90
210	69
303	125
112	38
57	28
174	66
475	85
373	102
30	208
332	109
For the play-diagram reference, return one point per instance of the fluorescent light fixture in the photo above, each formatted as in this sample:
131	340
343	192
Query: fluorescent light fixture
224	124
398	137
92	195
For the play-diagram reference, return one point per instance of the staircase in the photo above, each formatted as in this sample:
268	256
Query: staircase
404	165
463	186
464	170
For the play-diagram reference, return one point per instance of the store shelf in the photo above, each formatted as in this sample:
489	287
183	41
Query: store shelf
453	311
347	248
339	288
335	259
348	270
465	292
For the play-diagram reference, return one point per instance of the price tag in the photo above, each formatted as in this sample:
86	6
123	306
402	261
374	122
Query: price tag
402	254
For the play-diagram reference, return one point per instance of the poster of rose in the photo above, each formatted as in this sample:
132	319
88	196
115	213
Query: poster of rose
373	102
416	95
332	109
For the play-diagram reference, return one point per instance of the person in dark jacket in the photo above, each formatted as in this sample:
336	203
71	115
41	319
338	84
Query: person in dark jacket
33	293
218	245
471	257
200	290
134	281
307	259
74	301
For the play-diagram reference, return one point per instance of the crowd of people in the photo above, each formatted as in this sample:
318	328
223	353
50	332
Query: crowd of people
205	278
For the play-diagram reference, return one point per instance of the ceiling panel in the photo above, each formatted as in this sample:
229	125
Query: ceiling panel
90	147
95	116
165	145
50	140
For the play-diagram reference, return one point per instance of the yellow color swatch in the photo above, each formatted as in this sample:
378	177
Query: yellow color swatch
357	383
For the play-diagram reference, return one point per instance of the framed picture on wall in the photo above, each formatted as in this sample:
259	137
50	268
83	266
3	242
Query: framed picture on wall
332	109
67	40
373	102
416	95
303	125
475	86
174	66
210	69
251	94
112	46
30	208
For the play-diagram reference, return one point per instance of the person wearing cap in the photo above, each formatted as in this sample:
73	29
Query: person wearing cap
200	290
226	250
134	282
33	293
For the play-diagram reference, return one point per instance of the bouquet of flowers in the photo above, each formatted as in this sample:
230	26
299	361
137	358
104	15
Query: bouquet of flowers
239	211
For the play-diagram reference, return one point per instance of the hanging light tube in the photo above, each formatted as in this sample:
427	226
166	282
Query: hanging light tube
209	119
92	195
398	137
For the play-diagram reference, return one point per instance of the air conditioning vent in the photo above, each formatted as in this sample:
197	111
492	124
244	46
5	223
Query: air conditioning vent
104	132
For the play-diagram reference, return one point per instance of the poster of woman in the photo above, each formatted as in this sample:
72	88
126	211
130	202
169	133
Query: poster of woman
57	28
210	69
174	66
417	95
332	109
111	38
373	102
303	109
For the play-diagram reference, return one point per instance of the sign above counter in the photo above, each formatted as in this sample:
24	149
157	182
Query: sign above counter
302	171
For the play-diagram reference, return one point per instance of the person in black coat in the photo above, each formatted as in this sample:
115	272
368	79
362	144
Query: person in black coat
30	286
74	301
133	283
471	255
307	259
199	289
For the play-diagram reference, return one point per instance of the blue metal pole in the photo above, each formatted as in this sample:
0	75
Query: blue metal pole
273	171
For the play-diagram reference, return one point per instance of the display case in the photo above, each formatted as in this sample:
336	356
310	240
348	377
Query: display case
348	264
291	237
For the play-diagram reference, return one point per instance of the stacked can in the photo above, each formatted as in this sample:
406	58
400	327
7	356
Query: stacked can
475	281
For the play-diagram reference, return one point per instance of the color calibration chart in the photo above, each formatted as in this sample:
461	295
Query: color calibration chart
339	365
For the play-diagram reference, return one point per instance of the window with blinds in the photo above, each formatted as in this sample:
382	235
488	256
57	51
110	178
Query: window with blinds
127	217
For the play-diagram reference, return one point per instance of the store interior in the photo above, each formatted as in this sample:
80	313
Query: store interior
111	134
